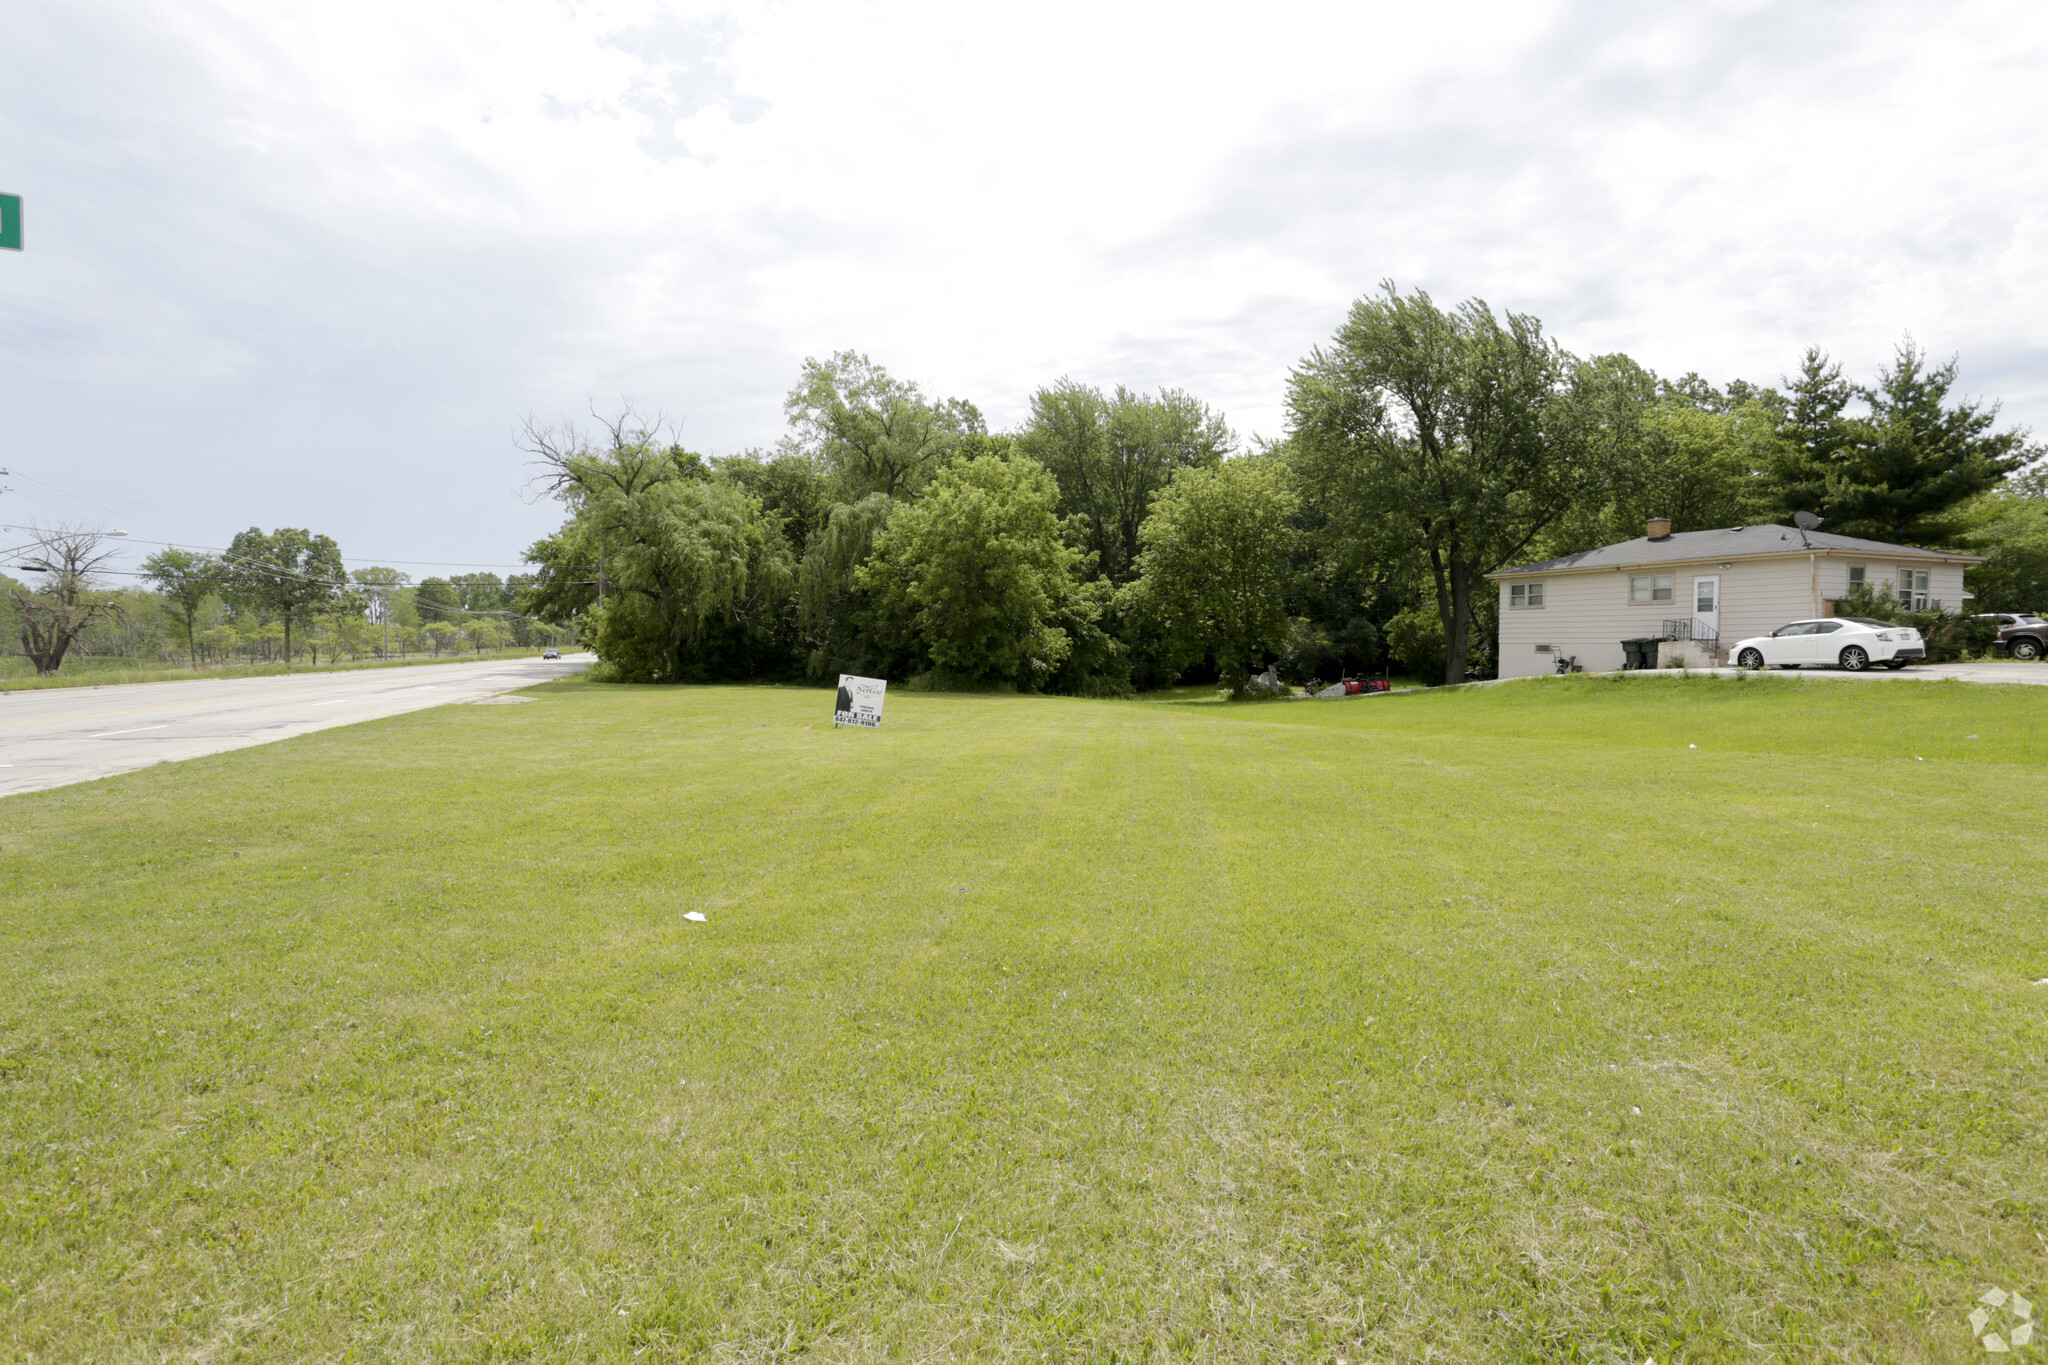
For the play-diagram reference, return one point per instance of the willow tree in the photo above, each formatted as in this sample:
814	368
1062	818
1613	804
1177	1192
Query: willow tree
670	550
1455	439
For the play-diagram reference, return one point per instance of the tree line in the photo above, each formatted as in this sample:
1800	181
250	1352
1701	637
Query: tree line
1115	540
270	597
1119	540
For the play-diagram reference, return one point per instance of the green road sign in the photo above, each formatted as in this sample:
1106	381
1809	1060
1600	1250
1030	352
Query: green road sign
10	221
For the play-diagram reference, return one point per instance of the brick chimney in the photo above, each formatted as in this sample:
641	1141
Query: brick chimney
1660	528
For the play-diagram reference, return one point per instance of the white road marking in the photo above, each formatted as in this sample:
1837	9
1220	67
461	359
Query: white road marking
104	734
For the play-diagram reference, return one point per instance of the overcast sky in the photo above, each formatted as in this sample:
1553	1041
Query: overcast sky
310	265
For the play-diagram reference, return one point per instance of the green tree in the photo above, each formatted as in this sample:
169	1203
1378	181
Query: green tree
873	432
289	574
1454	438
1215	565
1686	451
791	485
1903	471
845	628
2011	532
480	592
186	580
1112	454
385	602
436	599
979	567
680	554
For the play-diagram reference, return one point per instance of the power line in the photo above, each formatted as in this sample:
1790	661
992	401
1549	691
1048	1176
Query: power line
367	560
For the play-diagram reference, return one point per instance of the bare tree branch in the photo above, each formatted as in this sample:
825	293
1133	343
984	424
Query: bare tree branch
64	604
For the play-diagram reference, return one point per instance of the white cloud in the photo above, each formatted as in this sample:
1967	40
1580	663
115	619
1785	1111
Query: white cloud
308	265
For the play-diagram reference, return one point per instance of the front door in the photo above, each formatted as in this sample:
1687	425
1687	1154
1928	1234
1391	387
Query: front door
1706	608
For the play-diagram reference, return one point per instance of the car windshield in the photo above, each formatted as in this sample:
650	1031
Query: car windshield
2030	621
1866	621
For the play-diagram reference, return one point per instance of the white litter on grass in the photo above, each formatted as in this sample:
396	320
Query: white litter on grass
1918	759
2019	1332
694	916
2042	982
1692	746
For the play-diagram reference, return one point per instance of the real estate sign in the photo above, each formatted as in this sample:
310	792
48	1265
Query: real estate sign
10	222
859	701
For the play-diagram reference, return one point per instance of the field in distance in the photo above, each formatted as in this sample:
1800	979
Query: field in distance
1494	1024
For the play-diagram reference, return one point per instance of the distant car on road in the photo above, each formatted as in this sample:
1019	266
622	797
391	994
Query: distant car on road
551	654
1850	642
2021	634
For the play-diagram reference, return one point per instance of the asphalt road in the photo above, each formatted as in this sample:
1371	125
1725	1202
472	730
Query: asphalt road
74	734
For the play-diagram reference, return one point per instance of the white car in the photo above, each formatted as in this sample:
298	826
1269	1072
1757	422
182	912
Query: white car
1851	642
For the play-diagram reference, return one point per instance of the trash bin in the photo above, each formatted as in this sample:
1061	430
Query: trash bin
1640	652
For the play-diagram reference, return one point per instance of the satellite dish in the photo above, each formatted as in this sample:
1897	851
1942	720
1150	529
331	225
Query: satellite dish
1805	521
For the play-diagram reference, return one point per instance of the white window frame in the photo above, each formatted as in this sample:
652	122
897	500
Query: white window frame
1913	588
1856	576
1525	597
1648	585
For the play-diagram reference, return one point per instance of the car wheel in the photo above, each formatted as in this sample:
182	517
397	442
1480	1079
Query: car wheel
1855	659
2024	648
1750	658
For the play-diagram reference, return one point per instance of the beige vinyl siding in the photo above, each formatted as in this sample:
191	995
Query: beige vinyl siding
1944	581
1582	614
1759	596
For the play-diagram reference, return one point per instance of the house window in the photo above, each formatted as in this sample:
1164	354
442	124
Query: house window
1649	589
1525	595
1855	577
1913	589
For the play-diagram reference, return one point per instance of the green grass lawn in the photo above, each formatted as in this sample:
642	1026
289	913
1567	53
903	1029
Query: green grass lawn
1495	1024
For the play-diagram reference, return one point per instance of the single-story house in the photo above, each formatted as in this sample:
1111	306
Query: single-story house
1708	588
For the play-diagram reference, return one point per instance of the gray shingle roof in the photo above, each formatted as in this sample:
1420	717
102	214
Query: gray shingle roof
1734	543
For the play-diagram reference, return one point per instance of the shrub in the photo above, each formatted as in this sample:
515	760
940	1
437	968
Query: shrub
1949	635
1416	638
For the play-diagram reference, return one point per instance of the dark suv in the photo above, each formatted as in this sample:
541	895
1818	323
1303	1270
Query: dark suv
2024	635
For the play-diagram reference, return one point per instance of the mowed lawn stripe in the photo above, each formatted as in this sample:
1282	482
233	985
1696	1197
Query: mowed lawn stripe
1489	1024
